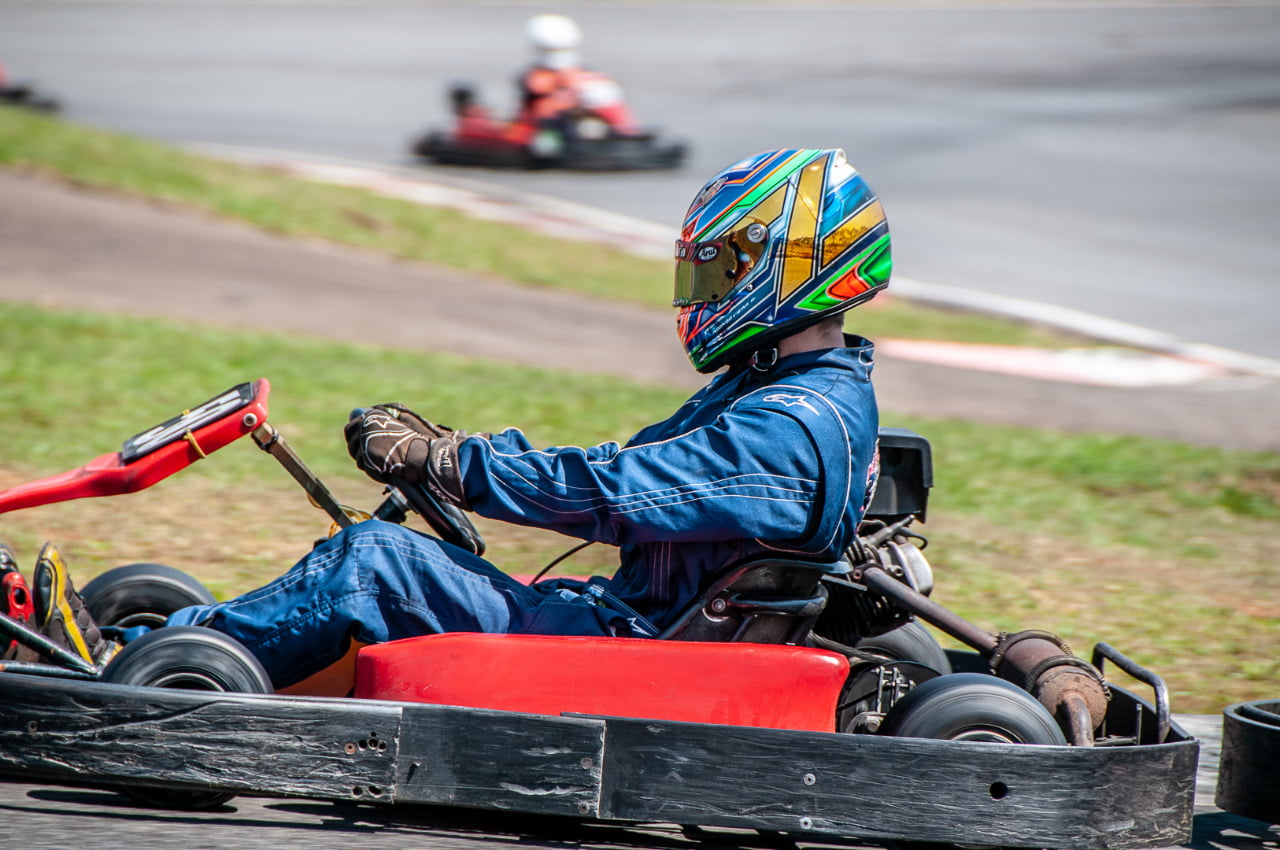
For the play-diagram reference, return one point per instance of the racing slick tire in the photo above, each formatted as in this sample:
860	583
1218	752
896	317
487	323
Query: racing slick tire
141	595
972	707
914	656
186	658
909	642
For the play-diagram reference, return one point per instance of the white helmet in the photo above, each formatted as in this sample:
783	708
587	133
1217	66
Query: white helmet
553	32
555	38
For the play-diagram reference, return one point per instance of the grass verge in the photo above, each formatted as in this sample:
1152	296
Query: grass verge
292	207
1162	549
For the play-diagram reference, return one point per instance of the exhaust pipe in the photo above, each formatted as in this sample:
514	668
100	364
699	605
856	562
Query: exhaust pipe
1039	662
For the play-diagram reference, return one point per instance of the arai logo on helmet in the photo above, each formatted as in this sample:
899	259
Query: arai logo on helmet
695	252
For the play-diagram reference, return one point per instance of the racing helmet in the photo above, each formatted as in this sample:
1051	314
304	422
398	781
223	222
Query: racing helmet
772	244
555	38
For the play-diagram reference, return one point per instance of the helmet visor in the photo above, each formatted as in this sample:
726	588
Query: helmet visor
705	271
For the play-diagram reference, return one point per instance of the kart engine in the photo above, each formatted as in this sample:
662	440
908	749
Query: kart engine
889	585
855	611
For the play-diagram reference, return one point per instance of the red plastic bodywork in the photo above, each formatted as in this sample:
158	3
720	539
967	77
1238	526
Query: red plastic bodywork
477	127
737	684
108	475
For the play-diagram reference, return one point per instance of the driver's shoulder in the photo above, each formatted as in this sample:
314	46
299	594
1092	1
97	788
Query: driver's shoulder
802	395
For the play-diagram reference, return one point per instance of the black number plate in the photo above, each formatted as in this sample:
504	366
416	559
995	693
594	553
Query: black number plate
197	417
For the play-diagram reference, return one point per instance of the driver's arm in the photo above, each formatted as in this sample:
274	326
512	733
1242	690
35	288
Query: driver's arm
754	473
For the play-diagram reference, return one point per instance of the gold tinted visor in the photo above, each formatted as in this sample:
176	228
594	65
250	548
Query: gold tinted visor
705	271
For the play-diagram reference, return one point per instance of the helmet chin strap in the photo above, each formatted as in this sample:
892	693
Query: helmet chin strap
764	359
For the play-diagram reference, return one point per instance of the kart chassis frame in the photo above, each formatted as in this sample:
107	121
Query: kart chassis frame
610	768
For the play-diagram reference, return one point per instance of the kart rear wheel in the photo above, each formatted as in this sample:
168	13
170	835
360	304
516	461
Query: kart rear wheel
187	658
909	642
911	655
972	707
142	595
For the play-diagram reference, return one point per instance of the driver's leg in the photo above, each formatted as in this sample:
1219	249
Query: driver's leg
373	582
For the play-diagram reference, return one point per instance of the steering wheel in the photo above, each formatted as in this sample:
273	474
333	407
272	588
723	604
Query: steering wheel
448	521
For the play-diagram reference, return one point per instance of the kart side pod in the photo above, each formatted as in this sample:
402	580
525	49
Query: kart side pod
790	687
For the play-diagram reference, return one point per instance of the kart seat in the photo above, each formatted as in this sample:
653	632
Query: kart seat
764	600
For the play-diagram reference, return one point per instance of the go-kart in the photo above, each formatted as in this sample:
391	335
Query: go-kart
595	134
25	96
796	697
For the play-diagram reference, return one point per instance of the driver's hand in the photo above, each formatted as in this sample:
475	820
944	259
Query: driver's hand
424	427
391	441
385	446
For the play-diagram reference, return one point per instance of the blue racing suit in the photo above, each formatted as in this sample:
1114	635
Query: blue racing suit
781	460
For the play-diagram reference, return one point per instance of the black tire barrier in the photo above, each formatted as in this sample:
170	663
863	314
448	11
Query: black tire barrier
1249	771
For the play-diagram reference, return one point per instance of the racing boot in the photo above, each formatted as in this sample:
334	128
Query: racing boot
61	614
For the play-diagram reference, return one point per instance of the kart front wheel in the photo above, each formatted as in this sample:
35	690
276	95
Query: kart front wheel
142	595
187	658
972	707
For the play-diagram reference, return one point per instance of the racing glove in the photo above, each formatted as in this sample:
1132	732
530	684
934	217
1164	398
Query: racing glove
391	441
